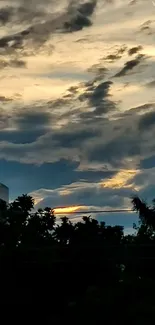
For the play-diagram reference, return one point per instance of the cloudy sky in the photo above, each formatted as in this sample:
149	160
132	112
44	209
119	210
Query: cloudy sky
77	102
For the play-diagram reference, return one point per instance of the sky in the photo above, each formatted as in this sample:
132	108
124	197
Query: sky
77	103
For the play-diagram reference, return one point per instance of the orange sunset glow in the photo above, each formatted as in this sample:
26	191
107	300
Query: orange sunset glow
63	210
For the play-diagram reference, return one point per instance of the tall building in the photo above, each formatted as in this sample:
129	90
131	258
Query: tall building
4	193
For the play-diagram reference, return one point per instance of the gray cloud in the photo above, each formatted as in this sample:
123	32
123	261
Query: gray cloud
77	23
81	14
5	15
89	194
109	142
24	12
77	126
135	49
77	141
3	115
21	15
145	108
147	121
20	136
36	119
91	136
75	18
88	8
112	57
24	126
150	84
93	95
37	123
15	63
130	65
116	150
74	137
148	162
4	99
116	55
98	97
146	27
99	71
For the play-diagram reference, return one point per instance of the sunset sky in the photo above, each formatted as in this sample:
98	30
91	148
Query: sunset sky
77	102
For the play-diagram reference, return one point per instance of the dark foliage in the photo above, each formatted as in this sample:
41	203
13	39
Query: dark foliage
68	272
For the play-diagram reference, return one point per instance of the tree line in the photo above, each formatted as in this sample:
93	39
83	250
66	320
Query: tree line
74	271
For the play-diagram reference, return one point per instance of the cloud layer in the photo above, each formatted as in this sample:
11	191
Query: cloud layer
77	95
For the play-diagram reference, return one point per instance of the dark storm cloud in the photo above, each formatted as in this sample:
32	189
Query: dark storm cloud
147	163
135	49
88	8
25	12
91	136
77	23
147	121
12	43
145	179
81	14
5	15
20	136
76	17
115	150
98	97
94	95
147	193
33	119
27	126
30	124
131	136
103	141
130	65
74	137
20	15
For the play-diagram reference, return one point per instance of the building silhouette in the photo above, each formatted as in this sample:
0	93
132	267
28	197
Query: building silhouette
4	193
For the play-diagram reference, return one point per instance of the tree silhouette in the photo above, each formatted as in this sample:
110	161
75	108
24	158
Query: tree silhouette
76	270
146	228
64	232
